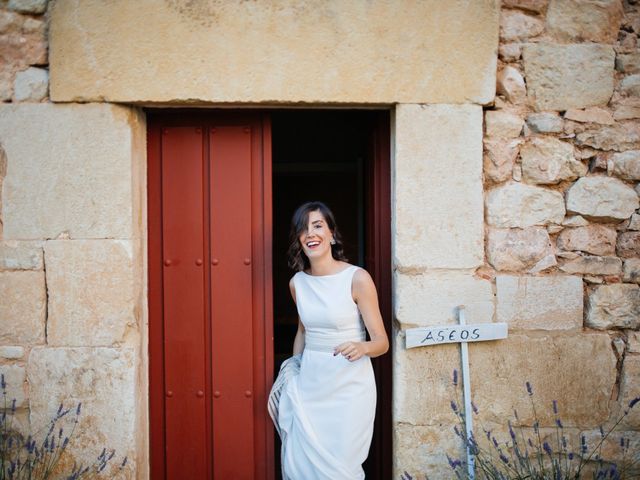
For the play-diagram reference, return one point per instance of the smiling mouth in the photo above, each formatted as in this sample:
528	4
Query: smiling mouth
312	244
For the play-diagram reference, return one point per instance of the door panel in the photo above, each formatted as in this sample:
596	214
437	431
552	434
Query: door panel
231	295
184	312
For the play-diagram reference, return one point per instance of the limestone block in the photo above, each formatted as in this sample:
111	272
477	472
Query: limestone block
517	25
511	84
614	306
574	221
618	137
631	270
518	205
518	250
23	307
28	6
592	265
634	222
23	42
510	52
297	51
11	352
602	198
628	63
21	255
104	380
590	115
422	389
628	245
536	6
438	160
415	454
545	122
596	239
31	85
432	298
499	157
629	390
584	20
558	367
546	160
631	85
560	77
518	302
502	124
633	340
70	170
14	377
626	112
91	295
625	165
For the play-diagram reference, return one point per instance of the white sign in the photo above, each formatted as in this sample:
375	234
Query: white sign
426	336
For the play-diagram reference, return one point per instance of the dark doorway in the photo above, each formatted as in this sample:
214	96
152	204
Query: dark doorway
340	157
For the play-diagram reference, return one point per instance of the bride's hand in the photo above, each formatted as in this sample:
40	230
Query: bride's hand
352	351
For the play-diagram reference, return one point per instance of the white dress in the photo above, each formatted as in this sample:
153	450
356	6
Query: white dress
326	410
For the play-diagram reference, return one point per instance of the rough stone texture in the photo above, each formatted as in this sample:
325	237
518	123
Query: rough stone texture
634	222
19	255
510	52
104	380
602	198
432	298
70	170
596	239
91	297
518	205
501	124
631	85
499	158
626	165
574	221
438	162
584	20
23	307
536	6
626	112
28	6
31	85
593	265
518	26
614	306
14	376
12	352
416	455
631	270
519	250
564	370
23	43
350	51
546	160
628	63
629	390
511	84
519	302
545	122
628	245
560	77
619	137
590	115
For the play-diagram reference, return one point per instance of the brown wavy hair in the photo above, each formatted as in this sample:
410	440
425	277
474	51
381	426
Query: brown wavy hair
297	259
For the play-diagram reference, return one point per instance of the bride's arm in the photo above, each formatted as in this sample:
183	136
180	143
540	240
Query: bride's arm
298	342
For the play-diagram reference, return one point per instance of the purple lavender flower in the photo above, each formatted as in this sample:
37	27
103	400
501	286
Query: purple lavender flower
78	408
124	462
475	409
3	384
504	458
583	444
454	407
633	402
547	448
601	431
511	432
570	455
529	389
455	377
559	423
555	407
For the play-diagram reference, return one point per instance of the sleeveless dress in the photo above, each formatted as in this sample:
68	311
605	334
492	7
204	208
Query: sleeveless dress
325	410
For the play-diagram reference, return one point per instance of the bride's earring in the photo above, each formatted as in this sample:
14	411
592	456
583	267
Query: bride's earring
333	241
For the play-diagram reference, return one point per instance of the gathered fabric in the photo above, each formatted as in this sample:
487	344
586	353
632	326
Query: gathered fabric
323	406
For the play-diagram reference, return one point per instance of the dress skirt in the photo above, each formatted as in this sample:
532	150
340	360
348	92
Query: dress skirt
325	417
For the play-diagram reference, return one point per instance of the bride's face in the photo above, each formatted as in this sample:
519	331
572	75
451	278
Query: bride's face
316	240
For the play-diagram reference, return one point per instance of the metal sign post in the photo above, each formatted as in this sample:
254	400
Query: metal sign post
463	334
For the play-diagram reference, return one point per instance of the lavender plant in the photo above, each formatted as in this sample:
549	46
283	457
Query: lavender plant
29	458
529	456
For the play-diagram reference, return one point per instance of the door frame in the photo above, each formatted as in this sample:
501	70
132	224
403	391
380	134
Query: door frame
261	276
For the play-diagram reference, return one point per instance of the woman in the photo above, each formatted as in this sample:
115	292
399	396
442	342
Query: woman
323	402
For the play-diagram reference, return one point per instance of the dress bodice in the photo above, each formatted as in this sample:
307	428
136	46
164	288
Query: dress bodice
326	308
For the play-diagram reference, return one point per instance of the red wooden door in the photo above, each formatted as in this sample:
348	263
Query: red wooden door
210	344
